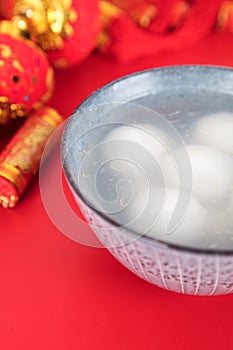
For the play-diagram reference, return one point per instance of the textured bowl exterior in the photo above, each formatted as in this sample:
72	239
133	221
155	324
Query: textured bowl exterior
183	270
169	268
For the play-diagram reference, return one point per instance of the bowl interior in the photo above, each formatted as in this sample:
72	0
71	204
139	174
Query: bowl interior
176	93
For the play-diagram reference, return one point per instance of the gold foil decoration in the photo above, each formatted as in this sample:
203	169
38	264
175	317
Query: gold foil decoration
20	159
47	22
10	110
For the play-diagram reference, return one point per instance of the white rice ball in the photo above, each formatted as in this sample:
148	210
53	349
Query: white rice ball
215	130
212	172
151	214
133	151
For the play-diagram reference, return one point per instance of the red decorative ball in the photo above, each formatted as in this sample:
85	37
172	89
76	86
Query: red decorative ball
26	77
6	8
66	30
78	45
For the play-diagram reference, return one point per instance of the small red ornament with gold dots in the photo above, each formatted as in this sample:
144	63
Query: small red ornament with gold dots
27	78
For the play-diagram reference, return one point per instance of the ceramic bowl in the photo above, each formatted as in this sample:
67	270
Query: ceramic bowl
175	267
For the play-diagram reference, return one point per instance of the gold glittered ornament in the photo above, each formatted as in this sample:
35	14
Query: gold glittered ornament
47	22
66	29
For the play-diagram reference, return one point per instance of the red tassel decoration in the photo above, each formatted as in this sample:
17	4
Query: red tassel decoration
225	17
128	41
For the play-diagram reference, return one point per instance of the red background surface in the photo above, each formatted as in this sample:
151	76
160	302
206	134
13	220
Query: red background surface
57	294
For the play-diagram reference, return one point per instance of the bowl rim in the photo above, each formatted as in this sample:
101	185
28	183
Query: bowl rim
65	137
